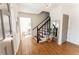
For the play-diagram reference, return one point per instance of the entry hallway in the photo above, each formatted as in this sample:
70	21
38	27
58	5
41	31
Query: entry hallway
29	46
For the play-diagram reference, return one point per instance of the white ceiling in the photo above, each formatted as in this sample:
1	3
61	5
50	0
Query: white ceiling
37	7
32	7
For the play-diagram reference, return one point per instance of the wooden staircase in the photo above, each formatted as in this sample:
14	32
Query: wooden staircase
44	30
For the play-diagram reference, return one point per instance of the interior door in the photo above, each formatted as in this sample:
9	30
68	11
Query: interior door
65	27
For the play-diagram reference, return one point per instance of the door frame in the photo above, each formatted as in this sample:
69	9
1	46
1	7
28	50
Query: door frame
64	40
19	24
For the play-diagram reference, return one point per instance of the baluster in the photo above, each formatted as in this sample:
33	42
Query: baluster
37	35
49	26
42	31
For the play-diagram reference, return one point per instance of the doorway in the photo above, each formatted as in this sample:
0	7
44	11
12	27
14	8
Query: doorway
25	26
65	27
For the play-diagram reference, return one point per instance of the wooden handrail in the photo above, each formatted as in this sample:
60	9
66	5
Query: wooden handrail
40	22
43	24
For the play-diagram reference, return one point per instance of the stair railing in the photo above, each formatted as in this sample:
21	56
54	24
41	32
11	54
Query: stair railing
45	22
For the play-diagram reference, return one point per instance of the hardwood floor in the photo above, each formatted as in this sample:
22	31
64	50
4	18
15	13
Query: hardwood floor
28	46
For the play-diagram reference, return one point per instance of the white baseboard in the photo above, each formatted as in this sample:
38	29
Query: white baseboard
73	42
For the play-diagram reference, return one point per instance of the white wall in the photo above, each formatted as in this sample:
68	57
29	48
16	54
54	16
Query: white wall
36	19
73	11
56	16
73	29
